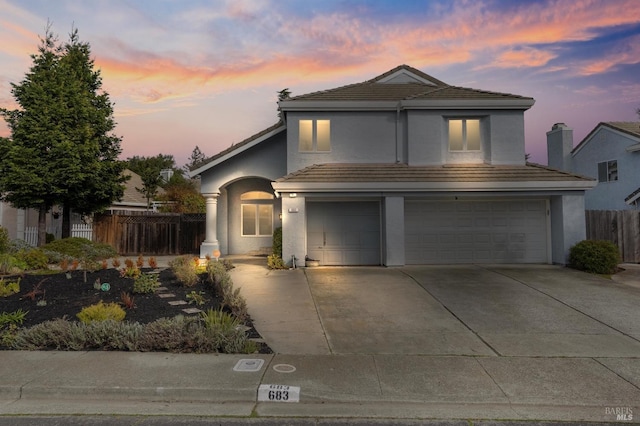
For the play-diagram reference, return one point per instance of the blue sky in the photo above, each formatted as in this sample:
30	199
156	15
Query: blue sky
206	73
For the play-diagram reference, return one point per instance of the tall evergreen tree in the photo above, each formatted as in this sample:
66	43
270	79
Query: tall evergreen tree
61	150
98	180
30	158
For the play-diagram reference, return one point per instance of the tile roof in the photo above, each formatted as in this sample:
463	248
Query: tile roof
445	173
376	90
631	128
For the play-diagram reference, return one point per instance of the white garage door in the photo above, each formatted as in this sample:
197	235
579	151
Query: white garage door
513	231
344	233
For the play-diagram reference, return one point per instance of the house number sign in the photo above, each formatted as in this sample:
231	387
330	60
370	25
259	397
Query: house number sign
279	393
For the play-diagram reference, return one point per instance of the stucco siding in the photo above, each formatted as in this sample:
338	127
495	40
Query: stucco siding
266	160
506	133
606	145
356	137
425	138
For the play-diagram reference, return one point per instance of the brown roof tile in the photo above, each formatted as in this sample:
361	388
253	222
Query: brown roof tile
373	90
445	173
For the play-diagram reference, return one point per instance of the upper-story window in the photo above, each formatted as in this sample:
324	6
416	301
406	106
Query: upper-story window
314	136
464	134
608	171
257	213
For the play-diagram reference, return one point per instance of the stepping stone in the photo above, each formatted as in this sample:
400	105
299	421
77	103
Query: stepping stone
191	310
166	295
162	289
178	302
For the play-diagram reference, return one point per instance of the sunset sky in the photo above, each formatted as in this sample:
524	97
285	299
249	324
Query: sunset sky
207	73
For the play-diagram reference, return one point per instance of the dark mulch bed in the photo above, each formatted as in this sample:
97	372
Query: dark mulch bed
63	295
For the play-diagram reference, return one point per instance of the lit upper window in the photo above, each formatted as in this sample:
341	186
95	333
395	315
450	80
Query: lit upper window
314	135
464	135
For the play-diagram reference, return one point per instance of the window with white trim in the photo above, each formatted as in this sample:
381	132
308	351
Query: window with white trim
314	135
257	213
608	171
464	134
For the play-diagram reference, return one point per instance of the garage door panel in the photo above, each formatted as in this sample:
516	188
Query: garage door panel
344	233
476	231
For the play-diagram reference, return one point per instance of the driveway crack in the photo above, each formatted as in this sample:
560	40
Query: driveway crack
487	344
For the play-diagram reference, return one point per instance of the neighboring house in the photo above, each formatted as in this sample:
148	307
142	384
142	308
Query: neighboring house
22	224
610	153
401	169
132	199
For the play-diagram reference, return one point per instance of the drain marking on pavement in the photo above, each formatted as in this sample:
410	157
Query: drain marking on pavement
284	368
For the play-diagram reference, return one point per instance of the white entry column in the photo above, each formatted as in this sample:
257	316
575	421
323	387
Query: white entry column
210	244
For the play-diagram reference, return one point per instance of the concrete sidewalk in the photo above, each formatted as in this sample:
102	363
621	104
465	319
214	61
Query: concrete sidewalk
343	386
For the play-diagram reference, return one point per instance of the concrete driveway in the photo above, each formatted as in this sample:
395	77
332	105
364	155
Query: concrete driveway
497	310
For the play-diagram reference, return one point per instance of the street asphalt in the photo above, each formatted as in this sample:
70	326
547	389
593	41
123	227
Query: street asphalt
490	344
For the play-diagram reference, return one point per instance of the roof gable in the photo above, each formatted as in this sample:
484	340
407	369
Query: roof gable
403	87
630	129
239	147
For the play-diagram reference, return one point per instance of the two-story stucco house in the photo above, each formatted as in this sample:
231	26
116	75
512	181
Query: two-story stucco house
400	169
610	153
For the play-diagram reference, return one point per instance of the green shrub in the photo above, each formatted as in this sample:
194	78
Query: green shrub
185	269
4	240
15	317
9	264
224	330
9	287
58	334
34	258
223	285
112	335
219	332
165	334
277	242
102	312
146	283
595	256
275	262
78	248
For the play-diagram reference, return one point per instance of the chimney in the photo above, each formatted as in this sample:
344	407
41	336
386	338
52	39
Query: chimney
559	146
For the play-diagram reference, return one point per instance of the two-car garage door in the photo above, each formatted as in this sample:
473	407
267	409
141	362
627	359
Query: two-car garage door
435	232
507	231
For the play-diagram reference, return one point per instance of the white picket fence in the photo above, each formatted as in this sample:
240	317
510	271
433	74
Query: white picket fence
83	230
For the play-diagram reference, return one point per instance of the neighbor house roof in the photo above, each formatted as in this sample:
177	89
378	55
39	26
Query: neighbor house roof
451	177
132	197
631	128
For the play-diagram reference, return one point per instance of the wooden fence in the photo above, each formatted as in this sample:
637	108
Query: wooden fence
621	227
150	233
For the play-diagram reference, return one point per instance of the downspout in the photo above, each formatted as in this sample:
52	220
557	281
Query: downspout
397	131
